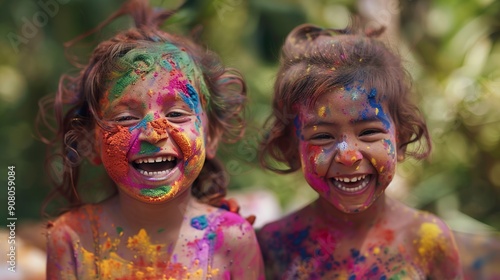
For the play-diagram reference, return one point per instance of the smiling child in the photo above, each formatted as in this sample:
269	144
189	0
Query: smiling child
154	106
351	122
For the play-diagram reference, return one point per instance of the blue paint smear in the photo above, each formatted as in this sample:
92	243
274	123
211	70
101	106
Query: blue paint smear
296	123
193	96
374	104
142	124
199	222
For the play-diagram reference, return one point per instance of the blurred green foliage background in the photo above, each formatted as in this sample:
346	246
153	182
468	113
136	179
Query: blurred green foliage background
451	47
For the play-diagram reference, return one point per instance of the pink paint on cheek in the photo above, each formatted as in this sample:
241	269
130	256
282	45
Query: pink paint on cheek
317	183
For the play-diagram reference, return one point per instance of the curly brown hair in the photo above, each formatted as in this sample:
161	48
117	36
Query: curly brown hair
76	104
315	61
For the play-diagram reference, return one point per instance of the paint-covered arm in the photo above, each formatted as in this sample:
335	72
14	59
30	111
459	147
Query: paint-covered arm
438	250
240	240
61	262
449	264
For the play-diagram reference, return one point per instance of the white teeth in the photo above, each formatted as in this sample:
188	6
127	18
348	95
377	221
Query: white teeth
347	180
153	160
152	173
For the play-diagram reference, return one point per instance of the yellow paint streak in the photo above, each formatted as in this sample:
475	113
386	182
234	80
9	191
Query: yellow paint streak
322	111
430	241
374	162
376	111
376	250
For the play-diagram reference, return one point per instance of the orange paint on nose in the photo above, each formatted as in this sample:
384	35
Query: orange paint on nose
352	155
157	130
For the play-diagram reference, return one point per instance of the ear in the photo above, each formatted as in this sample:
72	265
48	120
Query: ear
212	143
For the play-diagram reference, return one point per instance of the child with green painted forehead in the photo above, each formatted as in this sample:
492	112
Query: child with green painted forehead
150	107
349	121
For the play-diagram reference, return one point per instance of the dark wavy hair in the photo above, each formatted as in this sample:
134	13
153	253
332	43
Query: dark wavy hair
76	104
315	61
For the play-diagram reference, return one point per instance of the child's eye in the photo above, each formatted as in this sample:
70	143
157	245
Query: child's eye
321	139
371	134
178	116
174	115
124	118
368	132
321	136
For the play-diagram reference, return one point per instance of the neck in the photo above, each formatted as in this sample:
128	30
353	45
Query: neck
166	215
335	217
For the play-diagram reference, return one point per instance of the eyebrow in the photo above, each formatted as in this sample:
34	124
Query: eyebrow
369	119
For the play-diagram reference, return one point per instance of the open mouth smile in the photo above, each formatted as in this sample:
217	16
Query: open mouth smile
351	184
155	166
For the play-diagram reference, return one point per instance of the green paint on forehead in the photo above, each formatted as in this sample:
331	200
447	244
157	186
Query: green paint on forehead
139	62
156	192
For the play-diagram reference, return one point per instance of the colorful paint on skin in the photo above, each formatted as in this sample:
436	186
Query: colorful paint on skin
335	138
429	234
311	251
115	149
153	127
116	253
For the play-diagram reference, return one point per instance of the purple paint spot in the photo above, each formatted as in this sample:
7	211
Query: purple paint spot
199	222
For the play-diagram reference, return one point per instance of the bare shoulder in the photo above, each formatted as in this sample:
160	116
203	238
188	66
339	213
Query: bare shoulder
433	243
418	222
233	238
73	225
289	224
232	226
75	220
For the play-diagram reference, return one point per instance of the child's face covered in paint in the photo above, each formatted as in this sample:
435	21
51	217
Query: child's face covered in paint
158	148
347	144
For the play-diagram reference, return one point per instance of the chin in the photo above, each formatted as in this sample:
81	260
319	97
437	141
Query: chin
156	195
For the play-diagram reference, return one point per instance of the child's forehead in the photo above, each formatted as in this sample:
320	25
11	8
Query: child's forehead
159	63
357	91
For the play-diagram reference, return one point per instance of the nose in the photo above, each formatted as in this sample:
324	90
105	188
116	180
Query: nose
155	131
346	155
